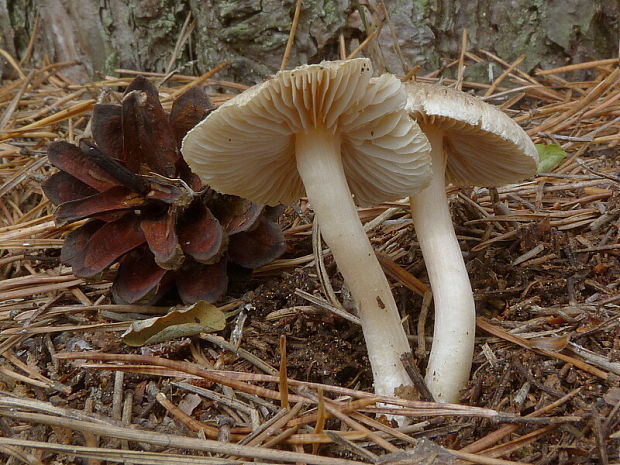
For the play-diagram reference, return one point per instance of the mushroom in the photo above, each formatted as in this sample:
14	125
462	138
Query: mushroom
325	131
473	143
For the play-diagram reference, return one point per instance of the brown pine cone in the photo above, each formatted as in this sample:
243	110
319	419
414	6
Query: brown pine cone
147	210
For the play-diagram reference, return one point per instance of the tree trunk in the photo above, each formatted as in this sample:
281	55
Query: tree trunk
252	34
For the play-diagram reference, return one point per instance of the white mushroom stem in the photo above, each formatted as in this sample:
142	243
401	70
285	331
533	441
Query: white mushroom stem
455	317
320	167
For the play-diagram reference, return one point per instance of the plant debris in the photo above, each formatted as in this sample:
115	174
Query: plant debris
542	257
200	317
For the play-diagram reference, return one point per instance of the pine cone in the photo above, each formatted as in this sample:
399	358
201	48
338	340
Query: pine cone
147	210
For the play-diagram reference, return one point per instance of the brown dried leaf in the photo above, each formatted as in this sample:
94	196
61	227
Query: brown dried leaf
612	397
140	279
553	344
61	187
425	452
147	135
162	239
200	317
107	130
200	234
257	247
91	252
196	281
114	199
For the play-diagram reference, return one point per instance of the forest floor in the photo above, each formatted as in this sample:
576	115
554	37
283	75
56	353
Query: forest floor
543	259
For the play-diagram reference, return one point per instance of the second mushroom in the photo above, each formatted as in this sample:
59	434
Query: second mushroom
326	131
473	143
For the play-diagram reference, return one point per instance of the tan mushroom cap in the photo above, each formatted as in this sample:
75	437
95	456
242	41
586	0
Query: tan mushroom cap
247	146
484	146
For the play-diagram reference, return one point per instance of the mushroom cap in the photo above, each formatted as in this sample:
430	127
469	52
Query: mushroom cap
485	146
247	146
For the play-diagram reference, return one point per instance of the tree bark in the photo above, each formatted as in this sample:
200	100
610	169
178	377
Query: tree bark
549	33
252	34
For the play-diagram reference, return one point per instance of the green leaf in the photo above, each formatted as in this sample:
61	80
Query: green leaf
549	156
200	317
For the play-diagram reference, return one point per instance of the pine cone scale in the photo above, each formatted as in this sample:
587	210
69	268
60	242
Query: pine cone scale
72	160
196	281
257	247
105	246
61	187
115	199
140	279
187	111
239	215
200	234
161	237
147	135
106	124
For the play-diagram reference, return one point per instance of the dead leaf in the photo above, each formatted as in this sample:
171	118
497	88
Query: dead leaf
612	397
554	344
200	317
425	452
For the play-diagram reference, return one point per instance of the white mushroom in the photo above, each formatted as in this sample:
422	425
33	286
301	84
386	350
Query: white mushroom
473	143
325	131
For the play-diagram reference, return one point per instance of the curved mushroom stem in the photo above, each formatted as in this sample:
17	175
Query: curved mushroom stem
320	167
455	314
